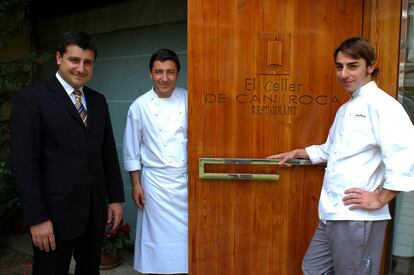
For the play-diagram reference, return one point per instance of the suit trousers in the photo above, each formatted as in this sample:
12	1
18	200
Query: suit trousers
345	248
86	251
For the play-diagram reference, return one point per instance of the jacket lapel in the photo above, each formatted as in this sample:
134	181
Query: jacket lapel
59	94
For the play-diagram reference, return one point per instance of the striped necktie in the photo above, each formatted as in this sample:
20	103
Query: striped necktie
78	104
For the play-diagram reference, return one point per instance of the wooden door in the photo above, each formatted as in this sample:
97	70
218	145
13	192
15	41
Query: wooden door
261	80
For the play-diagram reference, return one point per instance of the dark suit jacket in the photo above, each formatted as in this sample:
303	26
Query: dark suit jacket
64	171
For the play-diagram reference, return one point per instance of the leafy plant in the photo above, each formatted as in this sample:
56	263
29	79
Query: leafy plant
116	239
14	74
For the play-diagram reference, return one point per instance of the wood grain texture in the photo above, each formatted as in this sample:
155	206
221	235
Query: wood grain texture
382	24
261	80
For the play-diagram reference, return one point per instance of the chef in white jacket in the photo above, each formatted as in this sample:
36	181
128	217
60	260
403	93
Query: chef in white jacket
155	154
369	160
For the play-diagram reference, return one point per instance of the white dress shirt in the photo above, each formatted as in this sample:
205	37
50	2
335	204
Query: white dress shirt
69	90
370	145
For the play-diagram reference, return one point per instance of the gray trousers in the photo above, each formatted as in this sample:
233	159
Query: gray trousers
345	248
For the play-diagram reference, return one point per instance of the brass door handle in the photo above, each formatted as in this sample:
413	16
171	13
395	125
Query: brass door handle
238	176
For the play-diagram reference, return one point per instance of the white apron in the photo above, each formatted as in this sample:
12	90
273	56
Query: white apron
161	246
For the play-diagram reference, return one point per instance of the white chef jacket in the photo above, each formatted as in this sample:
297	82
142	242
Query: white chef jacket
155	142
156	136
370	144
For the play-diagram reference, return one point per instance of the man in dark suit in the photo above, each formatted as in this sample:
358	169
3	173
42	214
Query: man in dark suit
65	163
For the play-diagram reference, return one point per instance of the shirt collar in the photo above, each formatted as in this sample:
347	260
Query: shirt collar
69	89
174	94
362	90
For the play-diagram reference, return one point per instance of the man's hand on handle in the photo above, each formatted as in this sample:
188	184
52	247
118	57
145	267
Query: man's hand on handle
283	157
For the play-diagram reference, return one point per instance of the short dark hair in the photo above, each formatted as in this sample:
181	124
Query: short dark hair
78	38
164	55
357	47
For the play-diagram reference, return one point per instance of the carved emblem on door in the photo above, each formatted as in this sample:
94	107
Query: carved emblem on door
274	53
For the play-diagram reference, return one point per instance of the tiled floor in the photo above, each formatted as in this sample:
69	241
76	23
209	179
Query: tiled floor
22	243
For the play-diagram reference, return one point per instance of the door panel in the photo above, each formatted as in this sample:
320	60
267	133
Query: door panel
261	80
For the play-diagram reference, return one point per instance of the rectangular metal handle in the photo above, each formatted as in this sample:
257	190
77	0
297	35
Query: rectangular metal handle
238	176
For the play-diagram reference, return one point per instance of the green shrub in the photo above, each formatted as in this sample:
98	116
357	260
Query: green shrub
14	74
